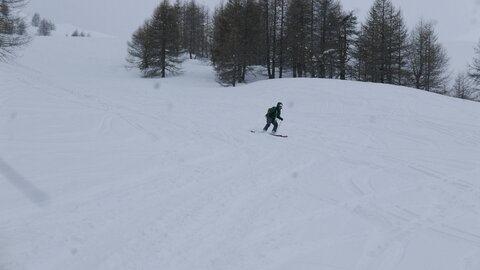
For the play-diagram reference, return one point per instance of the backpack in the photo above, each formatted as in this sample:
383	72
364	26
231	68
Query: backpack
271	111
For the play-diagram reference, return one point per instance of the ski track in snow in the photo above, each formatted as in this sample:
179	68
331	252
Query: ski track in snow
163	174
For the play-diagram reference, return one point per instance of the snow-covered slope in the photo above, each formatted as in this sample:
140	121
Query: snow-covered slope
164	173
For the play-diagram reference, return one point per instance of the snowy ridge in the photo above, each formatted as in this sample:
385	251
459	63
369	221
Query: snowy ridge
66	30
164	173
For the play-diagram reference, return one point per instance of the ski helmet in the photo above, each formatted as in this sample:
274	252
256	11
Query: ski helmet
280	104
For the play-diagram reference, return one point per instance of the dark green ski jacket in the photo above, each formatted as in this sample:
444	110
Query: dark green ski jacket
274	113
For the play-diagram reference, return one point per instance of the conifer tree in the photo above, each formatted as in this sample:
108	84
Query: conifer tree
474	74
273	19
319	38
195	28
474	68
382	45
155	47
346	36
237	33
20	27
226	43
6	25
140	51
326	22
428	61
12	28
45	28
36	20
297	36
165	39
463	86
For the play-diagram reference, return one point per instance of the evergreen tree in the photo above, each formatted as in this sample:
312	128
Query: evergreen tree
20	27
6	23
193	20
195	28
381	46
141	51
45	28
325	39
346	36
428	61
274	36
463	86
165	39
12	28
474	68
226	43
154	47
474	74
268	38
251	36
319	38
36	20
237	33
220	58
297	36
207	29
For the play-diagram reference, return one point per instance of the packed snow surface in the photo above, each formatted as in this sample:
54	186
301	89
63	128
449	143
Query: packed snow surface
102	169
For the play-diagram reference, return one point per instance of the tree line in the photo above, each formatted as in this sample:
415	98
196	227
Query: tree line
294	38
299	38
319	39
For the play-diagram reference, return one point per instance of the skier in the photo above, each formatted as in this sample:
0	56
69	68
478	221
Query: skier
272	115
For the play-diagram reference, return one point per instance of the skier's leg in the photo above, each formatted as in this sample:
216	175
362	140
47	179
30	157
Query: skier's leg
269	121
275	126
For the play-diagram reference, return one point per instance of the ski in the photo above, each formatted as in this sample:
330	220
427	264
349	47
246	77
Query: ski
276	135
279	135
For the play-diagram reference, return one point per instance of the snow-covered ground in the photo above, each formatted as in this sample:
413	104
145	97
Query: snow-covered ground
133	173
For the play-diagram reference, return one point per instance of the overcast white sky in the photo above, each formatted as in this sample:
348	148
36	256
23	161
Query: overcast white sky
458	22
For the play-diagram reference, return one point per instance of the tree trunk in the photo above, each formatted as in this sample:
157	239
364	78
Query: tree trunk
274	40
310	54
267	39
280	75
